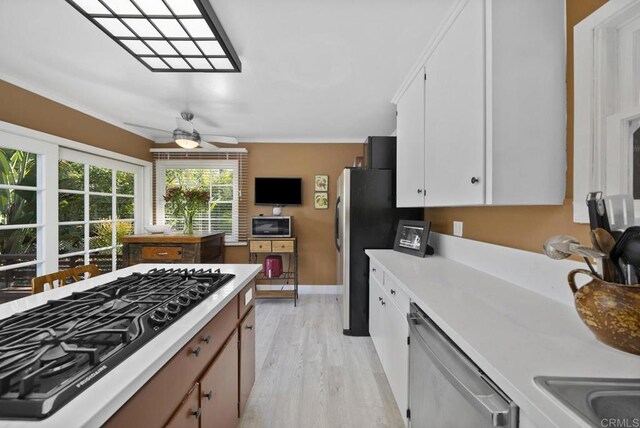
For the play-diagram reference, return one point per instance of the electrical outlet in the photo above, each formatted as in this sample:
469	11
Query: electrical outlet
457	228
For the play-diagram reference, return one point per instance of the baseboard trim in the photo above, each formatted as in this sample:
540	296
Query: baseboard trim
305	289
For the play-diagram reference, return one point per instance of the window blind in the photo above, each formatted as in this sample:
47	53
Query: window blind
199	159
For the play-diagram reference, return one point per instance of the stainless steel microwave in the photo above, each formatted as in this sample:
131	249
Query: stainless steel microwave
277	227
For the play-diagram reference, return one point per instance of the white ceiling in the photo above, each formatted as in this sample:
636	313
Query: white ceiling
312	70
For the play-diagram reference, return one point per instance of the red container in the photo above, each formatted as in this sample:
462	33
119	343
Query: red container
272	266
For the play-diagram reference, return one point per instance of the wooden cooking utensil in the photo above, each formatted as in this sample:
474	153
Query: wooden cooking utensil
601	238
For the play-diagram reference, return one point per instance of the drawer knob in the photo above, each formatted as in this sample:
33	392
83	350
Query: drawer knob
379	299
393	291
475	180
249	327
196	351
206	339
209	395
197	413
383	303
373	269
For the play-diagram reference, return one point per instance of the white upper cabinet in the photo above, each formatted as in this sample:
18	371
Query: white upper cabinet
454	114
493	109
410	130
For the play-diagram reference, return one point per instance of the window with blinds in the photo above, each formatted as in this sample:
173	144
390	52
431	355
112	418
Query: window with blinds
223	174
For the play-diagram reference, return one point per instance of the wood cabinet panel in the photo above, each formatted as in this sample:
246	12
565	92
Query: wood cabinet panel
154	403
188	414
260	246
219	388
161	253
247	356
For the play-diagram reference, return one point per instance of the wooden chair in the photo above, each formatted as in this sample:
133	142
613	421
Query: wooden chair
79	272
63	277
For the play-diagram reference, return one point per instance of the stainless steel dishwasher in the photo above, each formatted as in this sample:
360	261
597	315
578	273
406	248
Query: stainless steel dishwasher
446	389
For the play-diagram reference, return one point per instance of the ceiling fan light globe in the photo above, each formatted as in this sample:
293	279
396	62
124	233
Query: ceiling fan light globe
186	144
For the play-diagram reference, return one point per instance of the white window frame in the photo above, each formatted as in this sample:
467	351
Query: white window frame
161	185
47	196
112	164
48	147
602	115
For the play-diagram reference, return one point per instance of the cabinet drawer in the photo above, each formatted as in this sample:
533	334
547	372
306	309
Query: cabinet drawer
260	246
162	253
282	246
398	295
246	298
375	271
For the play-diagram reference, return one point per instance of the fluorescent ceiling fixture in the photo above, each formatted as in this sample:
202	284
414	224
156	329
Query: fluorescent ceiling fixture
122	7
165	35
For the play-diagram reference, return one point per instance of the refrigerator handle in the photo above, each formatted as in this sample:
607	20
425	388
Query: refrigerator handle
337	223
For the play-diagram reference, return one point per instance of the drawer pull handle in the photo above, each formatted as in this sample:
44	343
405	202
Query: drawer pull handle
209	395
393	291
163	254
206	339
249	327
197	413
196	351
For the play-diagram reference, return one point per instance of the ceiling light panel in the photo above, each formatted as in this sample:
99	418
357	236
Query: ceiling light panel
165	35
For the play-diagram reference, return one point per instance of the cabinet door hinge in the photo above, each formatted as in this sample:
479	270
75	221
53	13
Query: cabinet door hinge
408	413
408	340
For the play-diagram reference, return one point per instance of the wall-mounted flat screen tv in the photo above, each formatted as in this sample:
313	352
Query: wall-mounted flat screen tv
278	191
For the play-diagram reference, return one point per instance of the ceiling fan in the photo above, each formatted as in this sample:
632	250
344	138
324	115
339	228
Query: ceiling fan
186	136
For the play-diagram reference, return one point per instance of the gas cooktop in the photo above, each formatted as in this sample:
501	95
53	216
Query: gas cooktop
50	354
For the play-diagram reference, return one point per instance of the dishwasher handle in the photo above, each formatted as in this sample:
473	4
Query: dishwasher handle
478	389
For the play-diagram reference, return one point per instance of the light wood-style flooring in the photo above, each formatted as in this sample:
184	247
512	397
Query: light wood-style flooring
308	374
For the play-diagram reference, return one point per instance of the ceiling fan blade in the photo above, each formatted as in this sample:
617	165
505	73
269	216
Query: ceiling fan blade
149	128
163	140
184	125
220	139
208	146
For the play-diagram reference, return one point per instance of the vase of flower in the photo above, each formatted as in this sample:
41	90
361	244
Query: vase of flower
186	203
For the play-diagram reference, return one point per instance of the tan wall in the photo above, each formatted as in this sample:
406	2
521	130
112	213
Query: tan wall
527	227
24	108
313	228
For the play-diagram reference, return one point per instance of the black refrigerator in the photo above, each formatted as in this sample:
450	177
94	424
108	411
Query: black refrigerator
366	218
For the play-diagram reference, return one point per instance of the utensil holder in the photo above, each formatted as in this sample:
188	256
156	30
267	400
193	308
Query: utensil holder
610	310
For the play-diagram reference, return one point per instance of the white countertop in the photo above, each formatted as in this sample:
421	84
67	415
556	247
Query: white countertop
511	333
101	400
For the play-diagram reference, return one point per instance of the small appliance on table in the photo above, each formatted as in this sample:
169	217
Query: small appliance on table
52	353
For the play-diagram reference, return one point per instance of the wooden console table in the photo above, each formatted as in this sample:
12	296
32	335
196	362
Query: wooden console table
207	247
267	246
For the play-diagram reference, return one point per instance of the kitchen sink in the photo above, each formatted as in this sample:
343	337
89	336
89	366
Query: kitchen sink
597	401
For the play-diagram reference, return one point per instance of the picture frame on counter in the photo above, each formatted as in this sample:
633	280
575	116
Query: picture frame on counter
412	237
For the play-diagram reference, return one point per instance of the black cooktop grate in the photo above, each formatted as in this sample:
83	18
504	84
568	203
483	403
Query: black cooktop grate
50	354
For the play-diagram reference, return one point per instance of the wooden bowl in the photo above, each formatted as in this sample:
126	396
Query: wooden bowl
610	310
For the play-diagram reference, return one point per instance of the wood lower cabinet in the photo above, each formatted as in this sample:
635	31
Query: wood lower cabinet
189	412
219	388
220	358
176	248
247	356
